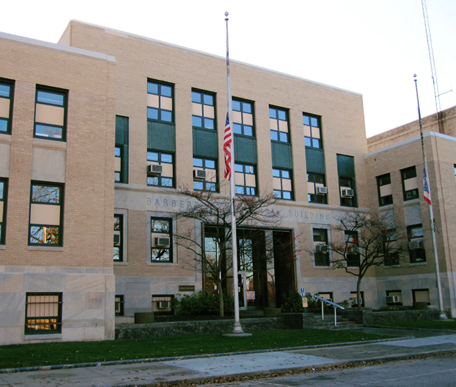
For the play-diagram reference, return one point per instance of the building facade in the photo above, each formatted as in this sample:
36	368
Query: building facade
97	152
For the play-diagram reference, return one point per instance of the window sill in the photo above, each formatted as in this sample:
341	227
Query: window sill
323	267
391	266
417	263
41	336
46	248
120	263
49	143
5	138
162	263
2	247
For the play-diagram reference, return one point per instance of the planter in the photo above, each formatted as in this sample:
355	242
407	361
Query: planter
272	312
144	317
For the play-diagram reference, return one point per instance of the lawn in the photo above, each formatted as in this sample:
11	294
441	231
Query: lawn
422	324
46	354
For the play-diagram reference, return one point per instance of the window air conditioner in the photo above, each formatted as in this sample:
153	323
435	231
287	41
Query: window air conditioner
321	190
348	193
116	239
163	304
414	245
199	174
392	299
321	248
154	169
354	249
162	242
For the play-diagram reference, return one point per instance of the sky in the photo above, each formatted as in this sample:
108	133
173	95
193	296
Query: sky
371	47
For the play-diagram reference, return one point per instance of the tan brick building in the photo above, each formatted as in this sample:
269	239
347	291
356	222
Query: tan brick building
99	133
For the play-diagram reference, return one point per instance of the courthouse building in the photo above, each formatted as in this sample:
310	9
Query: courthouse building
101	132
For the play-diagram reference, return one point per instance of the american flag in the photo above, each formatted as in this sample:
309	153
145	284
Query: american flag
227	141
427	192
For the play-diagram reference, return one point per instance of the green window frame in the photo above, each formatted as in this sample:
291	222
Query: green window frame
243	119
119	305
321	255
409	183
161	240
279	125
165	178
203	110
43	313
312	131
3	197
282	184
315	181
384	189
245	179
50	113
160	101
118	238
417	252
208	182
46	214
6	105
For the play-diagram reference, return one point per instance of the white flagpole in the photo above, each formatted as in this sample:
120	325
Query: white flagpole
431	211
237	323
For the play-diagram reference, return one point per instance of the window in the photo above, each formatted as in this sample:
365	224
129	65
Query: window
391	256
417	252
50	114
119	305
326	295
321	250
204	175
243	118
409	183
394	297
160	171
384	188
312	132
282	184
43	313
317	192
354	299
6	105
159	102
421	296
46	215
352	249
278	124
245	179
162	303
118	164
203	110
3	195
161	240
118	238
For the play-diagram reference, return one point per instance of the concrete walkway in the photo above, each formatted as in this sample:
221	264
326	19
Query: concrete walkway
204	368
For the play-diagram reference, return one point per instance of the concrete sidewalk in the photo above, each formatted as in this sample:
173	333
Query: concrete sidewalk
198	369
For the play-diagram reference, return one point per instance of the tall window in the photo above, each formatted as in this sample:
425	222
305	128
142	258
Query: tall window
160	169
245	179
50	114
417	252
119	304
278	124
312	131
321	250
3	195
118	164
161	232
6	105
204	175
203	110
243	118
346	171
317	191
352	247
159	102
409	183
46	215
43	313
384	189
282	184
118	238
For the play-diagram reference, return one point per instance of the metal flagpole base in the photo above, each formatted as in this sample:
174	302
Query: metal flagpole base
237	331
443	316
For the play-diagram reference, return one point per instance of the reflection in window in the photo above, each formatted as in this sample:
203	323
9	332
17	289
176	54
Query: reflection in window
312	131
118	236
161	240
159	102
282	184
242	118
245	179
204	175
163	176
50	114
203	110
43	313
278	124
6	105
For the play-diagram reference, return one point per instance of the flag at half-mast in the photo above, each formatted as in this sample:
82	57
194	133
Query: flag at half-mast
227	148
426	191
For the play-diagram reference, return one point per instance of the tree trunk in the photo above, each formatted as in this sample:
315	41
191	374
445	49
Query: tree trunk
221	303
358	293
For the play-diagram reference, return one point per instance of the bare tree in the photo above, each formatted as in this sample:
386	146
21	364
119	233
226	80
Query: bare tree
213	213
368	240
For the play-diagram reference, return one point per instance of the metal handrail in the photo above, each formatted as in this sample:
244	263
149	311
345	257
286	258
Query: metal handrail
333	304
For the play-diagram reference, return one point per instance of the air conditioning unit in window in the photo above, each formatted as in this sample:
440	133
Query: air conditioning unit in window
116	239
415	245
199	174
163	304
354	250
348	193
154	170
321	249
162	242
392	299
321	190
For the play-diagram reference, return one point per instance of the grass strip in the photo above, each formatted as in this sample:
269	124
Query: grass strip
46	354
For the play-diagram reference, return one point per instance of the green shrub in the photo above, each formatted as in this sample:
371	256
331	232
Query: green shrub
292	303
204	304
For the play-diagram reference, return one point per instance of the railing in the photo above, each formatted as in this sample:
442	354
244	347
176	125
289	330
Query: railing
333	304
